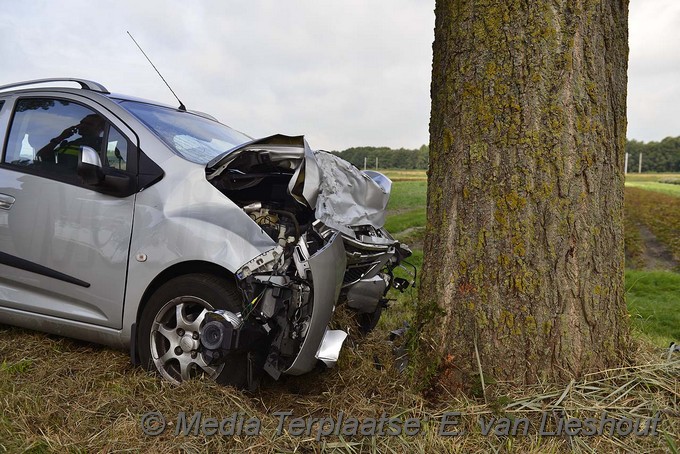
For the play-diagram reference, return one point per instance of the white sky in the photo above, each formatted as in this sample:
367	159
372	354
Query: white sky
344	73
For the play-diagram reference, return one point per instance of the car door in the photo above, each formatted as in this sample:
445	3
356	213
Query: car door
64	246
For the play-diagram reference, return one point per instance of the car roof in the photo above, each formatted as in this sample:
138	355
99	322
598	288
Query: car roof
84	84
87	86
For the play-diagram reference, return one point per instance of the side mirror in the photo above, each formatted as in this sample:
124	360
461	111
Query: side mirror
90	170
90	166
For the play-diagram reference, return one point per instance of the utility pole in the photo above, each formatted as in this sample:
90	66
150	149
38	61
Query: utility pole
365	158
625	170
376	163
640	163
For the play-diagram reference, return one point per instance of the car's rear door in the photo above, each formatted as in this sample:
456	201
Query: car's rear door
63	245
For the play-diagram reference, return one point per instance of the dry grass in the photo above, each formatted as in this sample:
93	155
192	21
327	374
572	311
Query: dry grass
405	175
58	395
659	212
634	244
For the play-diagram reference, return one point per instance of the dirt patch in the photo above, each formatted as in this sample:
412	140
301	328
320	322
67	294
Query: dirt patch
412	236
655	255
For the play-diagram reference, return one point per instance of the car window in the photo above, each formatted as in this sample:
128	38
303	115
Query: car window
191	136
116	150
46	135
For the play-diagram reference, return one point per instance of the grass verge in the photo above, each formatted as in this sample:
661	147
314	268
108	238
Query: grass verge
59	395
653	299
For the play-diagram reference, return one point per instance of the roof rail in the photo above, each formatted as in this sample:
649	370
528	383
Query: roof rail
84	84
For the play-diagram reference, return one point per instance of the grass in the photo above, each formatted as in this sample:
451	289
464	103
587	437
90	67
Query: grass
664	188
406	208
60	395
77	397
656	182
407	220
408	195
653	299
659	212
405	175
640	177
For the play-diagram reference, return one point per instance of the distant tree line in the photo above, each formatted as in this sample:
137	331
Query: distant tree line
388	158
659	157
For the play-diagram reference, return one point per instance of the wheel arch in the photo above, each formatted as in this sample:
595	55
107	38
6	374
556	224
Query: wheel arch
176	270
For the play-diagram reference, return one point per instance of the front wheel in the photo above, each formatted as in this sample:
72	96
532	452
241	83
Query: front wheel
169	337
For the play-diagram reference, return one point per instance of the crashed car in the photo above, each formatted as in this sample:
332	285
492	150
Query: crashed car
144	226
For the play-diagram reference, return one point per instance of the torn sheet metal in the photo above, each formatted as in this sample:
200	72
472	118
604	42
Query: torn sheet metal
329	350
347	196
342	195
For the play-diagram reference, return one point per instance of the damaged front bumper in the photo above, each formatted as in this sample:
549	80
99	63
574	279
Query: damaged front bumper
292	311
325	271
325	219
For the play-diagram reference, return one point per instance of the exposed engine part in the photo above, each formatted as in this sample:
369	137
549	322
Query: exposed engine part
400	284
219	330
223	332
255	206
301	257
365	295
262	263
280	225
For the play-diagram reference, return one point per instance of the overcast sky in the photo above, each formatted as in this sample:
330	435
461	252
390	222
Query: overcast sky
344	73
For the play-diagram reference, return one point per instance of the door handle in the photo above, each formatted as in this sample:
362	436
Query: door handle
6	201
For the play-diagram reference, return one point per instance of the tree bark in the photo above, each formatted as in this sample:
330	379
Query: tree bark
523	254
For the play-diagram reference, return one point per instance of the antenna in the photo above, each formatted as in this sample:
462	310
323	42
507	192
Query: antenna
181	105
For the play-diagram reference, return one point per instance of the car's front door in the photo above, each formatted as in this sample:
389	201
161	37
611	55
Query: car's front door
63	246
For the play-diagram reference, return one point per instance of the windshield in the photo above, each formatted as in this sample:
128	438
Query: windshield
191	136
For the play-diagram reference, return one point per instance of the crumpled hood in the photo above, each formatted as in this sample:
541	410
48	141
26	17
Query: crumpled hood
341	195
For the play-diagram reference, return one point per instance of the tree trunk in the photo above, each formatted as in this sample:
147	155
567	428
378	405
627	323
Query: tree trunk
524	243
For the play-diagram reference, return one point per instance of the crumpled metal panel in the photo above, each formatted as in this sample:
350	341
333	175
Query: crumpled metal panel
342	195
347	196
304	185
327	266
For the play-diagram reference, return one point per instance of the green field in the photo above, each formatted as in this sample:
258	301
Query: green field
653	182
664	188
653	299
653	296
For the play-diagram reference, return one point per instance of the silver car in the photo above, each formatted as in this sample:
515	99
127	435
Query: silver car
143	226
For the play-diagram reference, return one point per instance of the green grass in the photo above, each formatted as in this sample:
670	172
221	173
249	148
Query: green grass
653	182
653	299
640	177
402	221
408	195
408	200
659	212
664	188
406	221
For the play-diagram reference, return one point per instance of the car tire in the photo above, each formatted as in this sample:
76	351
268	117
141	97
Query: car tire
367	321
172	348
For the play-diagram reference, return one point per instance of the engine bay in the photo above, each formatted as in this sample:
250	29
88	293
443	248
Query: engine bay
326	221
